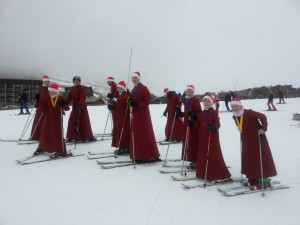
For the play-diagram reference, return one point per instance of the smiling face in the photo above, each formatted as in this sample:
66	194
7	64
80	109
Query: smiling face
52	94
207	103
135	80
46	83
189	93
76	82
236	108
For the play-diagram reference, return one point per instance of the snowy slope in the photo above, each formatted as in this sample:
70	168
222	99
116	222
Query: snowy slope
76	191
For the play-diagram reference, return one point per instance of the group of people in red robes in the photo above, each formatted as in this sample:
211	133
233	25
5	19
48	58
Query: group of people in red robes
133	131
48	121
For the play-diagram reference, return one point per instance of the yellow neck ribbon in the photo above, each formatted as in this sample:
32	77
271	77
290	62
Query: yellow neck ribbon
54	101
240	123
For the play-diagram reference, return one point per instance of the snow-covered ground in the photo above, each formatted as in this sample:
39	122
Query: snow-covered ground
76	191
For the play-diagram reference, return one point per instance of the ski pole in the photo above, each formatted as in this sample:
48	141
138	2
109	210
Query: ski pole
185	150
261	166
105	127
36	126
170	136
62	132
27	126
241	152
207	156
132	136
24	131
77	128
122	129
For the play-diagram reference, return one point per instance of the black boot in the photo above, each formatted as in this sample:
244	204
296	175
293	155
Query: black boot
38	151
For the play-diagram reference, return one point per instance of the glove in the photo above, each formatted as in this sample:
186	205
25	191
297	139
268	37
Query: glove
190	124
178	111
110	107
192	114
165	113
132	103
110	96
80	108
212	127
36	97
61	103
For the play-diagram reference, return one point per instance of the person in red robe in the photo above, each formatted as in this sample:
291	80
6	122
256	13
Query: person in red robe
52	137
79	126
192	109
210	163
112	98
174	123
121	133
252	127
143	147
39	118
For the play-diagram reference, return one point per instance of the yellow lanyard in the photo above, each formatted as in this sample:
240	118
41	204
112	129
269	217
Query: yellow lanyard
54	102
240	124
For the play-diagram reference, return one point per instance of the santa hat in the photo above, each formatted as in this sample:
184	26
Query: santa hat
122	85
46	78
235	101
136	74
166	90
209	97
53	87
190	87
110	78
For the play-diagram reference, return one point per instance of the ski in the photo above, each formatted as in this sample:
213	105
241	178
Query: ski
113	162
208	184
27	142
184	178
174	170
172	142
25	159
103	135
85	142
103	156
12	140
249	191
175	165
100	153
49	159
241	187
115	166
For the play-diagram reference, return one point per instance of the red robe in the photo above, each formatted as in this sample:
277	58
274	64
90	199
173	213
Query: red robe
38	119
173	101
192	104
252	122
216	168
77	95
121	110
145	146
51	138
114	91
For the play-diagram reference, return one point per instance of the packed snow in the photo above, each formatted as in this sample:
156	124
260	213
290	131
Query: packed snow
77	191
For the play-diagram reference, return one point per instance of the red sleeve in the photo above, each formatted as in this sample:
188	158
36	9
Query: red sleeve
82	95
261	118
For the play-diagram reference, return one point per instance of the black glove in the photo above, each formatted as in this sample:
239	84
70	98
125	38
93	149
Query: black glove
190	124
80	108
110	96
61	103
110	107
165	113
178	111
192	114
36	97
212	127
132	103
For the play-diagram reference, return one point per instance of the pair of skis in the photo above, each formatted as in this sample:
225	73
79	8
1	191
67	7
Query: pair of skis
26	160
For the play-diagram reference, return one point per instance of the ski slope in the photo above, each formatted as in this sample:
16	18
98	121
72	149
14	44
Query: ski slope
76	191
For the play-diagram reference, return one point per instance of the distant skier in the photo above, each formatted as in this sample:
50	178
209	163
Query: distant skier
270	101
192	109
280	95
143	147
51	138
23	100
227	100
121	134
210	162
39	117
251	125
112	97
79	126
171	112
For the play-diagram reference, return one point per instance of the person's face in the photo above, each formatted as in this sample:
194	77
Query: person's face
120	90
76	82
135	80
52	93
236	108
189	93
109	83
207	103
46	83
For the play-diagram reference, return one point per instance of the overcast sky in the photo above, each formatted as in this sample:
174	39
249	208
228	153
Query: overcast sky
208	43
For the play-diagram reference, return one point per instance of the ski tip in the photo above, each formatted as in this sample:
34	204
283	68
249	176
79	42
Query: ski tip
185	186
